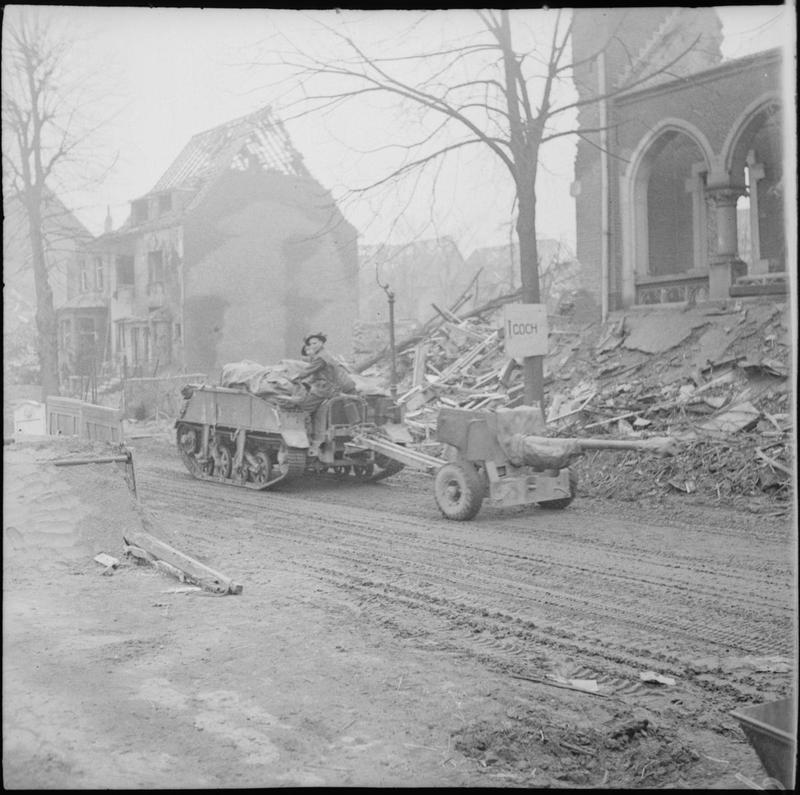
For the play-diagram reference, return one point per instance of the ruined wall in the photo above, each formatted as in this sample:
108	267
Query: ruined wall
266	262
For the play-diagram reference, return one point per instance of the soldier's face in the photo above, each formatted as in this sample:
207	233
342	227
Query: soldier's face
313	346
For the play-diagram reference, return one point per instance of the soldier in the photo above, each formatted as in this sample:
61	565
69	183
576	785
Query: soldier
323	378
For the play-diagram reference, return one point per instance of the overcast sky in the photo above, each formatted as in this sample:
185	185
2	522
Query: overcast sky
177	72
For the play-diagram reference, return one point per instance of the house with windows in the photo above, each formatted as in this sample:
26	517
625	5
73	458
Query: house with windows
683	149
62	235
236	253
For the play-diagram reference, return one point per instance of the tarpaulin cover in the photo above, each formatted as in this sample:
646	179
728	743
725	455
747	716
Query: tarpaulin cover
542	452
520	434
275	379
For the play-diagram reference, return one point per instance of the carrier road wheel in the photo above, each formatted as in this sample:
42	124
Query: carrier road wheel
563	502
364	471
223	461
263	472
458	490
187	439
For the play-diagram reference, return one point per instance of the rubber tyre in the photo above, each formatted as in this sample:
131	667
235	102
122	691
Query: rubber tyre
459	491
563	502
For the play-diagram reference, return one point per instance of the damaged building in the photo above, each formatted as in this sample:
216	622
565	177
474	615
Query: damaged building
222	260
63	234
683	150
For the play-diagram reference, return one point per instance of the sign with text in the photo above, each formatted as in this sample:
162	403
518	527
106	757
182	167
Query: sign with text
525	328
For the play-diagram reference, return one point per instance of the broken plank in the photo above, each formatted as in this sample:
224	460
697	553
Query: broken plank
551	683
106	560
772	462
446	314
193	570
420	356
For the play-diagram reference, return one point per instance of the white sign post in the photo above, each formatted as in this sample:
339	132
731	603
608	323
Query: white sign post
525	329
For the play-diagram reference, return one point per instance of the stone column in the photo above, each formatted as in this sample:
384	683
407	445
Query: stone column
756	172
695	186
724	264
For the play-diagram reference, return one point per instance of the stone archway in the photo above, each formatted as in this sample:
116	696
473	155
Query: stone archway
754	156
664	217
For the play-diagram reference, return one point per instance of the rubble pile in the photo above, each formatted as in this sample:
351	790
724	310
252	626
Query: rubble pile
714	377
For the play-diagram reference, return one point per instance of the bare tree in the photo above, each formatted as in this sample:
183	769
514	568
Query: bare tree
485	92
47	143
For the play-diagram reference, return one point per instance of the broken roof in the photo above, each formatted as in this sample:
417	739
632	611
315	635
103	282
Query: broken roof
258	138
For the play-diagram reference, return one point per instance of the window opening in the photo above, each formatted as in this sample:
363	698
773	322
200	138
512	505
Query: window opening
124	269
155	266
99	275
83	276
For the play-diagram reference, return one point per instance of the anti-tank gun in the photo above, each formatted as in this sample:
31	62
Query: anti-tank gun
504	457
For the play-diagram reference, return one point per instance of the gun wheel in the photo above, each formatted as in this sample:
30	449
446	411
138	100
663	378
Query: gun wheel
459	491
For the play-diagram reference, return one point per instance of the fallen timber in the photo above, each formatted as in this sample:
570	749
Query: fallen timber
149	549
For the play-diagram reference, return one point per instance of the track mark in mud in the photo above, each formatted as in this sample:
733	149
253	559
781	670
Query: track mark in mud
401	545
569	593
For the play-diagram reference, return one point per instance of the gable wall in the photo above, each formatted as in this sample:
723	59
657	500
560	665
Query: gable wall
262	271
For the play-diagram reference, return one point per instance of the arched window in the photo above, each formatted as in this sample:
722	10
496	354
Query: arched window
757	158
665	220
670	206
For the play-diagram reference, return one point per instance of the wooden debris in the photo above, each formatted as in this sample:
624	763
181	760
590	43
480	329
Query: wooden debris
420	355
553	683
109	563
737	418
150	549
698	392
773	463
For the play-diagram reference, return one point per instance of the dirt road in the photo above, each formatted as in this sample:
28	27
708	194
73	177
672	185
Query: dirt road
377	644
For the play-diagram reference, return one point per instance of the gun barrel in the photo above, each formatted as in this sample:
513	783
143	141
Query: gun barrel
660	445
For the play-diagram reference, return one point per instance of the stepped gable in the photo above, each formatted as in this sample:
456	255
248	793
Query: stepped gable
673	36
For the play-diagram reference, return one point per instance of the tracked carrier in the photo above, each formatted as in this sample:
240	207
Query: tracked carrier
232	436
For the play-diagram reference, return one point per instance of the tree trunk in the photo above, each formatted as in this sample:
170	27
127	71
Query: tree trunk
46	325
532	366
524	143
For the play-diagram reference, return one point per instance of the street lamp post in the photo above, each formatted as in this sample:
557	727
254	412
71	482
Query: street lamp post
390	297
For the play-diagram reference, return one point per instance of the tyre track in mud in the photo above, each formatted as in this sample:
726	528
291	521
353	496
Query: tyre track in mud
731	586
518	598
